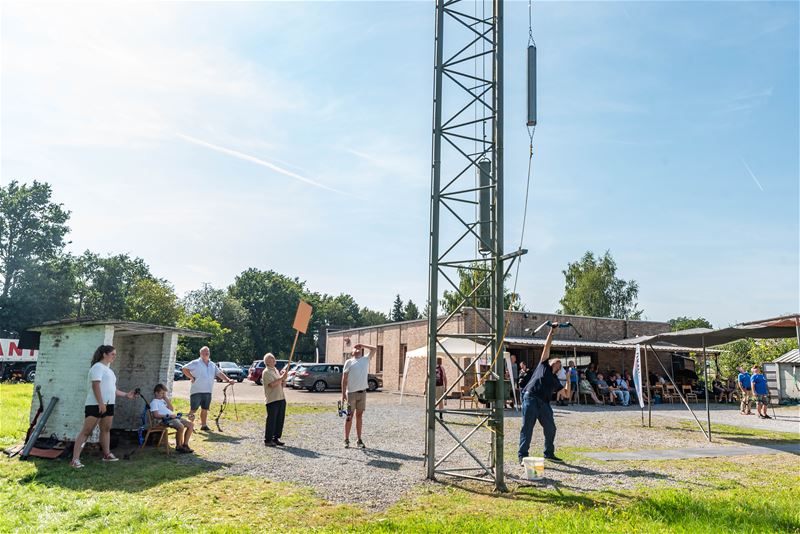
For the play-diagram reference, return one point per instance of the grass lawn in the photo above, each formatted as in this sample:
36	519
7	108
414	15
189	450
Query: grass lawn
154	493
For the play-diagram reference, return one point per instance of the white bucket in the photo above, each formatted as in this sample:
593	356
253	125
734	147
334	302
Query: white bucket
534	467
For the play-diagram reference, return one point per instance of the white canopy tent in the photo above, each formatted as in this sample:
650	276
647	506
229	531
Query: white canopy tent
457	348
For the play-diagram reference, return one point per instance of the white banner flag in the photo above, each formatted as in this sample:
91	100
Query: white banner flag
637	375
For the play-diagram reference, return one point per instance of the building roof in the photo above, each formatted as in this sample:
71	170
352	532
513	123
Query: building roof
793	356
121	327
581	344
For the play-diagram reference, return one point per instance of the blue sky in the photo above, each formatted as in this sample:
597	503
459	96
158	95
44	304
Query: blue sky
208	138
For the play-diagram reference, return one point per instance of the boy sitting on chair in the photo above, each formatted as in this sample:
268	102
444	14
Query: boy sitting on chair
161	408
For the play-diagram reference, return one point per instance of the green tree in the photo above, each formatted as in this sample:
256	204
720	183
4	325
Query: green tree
152	301
43	292
684	323
32	229
397	310
750	352
411	312
372	317
593	289
271	301
106	282
189	347
219	305
478	275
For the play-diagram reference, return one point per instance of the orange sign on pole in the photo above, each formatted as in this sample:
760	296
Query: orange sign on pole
301	320
302	317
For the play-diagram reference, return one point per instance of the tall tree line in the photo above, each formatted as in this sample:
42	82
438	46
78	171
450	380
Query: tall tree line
42	282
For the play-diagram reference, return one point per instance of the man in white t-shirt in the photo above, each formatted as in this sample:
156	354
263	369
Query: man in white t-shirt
202	373
355	382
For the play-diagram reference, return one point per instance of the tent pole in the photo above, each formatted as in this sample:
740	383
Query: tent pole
649	392
679	392
705	379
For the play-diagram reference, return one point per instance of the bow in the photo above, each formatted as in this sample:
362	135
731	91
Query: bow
144	416
225	403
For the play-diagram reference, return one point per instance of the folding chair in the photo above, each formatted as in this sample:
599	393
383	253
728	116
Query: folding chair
689	394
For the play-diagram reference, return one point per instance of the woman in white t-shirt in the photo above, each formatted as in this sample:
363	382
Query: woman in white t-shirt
99	406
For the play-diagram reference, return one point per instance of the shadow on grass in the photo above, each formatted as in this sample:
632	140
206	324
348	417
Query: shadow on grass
526	494
778	445
145	469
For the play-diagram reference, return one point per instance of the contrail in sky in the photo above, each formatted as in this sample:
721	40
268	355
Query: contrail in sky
258	161
752	175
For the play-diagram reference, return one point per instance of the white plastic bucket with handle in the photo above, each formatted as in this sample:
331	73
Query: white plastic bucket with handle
534	467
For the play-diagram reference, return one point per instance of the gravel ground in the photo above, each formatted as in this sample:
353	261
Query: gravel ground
392	464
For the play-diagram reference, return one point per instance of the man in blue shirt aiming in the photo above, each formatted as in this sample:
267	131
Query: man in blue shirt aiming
536	402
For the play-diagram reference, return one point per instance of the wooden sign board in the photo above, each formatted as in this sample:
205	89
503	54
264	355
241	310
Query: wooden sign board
302	317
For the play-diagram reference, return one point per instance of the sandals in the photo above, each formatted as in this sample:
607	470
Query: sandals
76	464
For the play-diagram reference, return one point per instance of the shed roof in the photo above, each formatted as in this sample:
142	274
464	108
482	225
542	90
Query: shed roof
793	356
122	327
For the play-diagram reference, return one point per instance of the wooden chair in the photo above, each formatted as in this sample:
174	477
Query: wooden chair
154	427
468	396
670	394
689	394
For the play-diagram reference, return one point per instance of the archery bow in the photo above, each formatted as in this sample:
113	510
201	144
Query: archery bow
224	404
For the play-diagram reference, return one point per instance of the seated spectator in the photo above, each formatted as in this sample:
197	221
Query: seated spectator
586	389
591	375
602	387
721	392
624	389
632	386
161	408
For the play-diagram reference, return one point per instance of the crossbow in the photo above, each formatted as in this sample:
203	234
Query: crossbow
225	403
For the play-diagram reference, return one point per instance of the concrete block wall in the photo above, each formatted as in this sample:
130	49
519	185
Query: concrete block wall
143	360
65	357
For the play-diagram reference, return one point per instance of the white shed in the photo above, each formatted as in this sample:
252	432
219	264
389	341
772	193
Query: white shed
145	357
786	369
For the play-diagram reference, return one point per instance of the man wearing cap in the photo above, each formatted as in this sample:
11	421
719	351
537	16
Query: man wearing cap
355	382
536	403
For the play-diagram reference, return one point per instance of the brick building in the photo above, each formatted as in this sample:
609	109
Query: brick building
596	345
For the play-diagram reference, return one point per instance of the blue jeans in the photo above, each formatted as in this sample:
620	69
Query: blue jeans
535	409
623	395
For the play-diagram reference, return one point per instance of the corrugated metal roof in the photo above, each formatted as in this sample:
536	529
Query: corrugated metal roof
793	356
562	343
579	343
121	327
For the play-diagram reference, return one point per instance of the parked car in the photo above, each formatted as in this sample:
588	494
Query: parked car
292	371
179	372
233	371
321	376
257	369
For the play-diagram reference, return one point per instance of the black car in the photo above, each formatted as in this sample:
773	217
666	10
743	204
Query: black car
233	371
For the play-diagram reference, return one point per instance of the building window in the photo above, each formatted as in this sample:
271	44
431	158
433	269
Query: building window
379	359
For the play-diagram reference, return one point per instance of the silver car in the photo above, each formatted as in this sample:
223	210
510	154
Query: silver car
321	376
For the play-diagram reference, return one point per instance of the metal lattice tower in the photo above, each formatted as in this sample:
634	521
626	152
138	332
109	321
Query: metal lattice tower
467	164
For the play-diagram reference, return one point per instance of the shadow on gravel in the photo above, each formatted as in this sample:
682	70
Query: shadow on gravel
379	453
218	437
302	453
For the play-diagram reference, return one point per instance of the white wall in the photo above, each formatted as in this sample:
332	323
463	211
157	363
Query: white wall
62	370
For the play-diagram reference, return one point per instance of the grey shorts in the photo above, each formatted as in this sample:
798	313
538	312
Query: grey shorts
762	399
199	400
